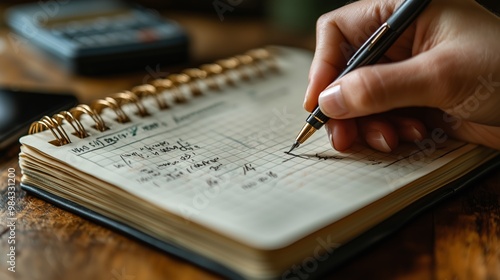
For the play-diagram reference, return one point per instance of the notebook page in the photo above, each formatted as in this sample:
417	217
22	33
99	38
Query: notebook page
220	161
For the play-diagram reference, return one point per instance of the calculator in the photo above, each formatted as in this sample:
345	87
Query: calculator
99	37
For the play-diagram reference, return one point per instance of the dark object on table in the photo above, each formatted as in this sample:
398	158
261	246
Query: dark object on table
100	37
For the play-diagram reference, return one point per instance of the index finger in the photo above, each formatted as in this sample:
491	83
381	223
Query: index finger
338	33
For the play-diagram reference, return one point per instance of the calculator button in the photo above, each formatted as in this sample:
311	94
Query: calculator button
100	39
122	24
57	32
73	28
85	40
148	35
113	37
100	24
126	37
143	19
119	24
165	31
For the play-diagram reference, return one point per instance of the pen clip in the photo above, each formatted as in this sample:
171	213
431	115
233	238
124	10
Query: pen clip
371	41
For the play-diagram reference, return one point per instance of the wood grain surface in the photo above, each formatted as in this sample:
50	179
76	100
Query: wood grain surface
458	239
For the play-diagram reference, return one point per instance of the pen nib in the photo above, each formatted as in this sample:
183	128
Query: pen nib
294	146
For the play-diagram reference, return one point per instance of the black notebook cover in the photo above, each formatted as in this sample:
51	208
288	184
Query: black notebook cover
342	254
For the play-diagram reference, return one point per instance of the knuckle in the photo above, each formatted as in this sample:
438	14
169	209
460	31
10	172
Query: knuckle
320	22
323	21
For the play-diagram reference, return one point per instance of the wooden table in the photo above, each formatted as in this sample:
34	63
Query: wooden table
459	239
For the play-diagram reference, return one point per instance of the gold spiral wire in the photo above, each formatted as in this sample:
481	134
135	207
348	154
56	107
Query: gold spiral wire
226	71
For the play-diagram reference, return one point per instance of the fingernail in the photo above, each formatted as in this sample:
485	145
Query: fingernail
410	133
377	141
330	135
416	135
332	102
307	94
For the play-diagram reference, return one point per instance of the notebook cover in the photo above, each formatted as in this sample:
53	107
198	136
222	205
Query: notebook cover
342	253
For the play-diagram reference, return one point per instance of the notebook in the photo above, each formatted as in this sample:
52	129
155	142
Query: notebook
195	165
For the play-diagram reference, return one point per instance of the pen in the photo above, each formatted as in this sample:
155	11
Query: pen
369	53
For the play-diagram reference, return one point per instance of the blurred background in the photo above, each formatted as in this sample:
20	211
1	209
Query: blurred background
216	29
240	24
236	25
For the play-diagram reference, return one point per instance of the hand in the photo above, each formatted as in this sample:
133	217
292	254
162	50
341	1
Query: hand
444	71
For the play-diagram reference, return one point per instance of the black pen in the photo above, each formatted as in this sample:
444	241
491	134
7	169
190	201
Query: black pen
369	53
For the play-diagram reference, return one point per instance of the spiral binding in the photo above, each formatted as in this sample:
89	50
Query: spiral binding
258	61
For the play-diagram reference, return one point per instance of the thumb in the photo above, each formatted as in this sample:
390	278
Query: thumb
383	87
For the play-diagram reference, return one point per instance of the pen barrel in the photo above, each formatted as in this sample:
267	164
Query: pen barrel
406	14
370	56
317	119
385	36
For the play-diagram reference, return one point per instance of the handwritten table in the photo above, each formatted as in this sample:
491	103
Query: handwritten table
458	239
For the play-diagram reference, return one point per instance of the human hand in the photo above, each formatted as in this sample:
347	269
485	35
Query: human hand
444	71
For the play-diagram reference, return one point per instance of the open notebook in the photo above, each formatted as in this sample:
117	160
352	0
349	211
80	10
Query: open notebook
208	178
